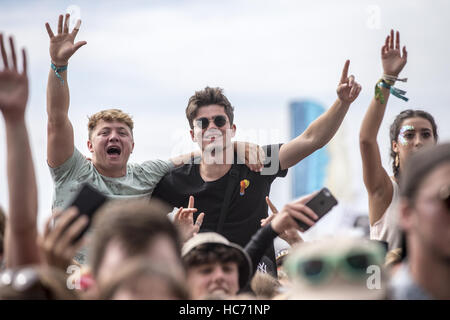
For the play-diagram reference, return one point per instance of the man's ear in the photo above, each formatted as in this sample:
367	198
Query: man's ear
192	135
90	146
233	130
405	214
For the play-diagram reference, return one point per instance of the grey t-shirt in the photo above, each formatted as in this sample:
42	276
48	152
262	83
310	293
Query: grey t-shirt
139	181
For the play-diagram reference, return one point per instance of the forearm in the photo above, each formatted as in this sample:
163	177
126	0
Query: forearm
58	97
60	139
374	176
21	178
323	129
21	244
259	244
185	158
317	135
373	118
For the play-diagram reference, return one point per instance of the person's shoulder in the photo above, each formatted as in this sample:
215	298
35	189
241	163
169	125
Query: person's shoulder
184	170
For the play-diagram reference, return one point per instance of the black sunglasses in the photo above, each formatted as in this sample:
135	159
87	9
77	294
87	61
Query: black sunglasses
203	123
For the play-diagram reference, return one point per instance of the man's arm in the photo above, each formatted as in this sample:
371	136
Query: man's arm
21	247
320	132
282	222
250	154
60	137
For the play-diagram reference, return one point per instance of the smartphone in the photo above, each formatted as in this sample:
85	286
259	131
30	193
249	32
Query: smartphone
321	204
88	201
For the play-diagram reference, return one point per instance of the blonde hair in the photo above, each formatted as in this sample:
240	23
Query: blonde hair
264	285
393	257
109	115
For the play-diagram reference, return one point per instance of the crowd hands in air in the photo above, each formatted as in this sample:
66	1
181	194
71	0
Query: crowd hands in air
215	244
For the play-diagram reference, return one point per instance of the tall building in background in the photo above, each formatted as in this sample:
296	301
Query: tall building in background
310	173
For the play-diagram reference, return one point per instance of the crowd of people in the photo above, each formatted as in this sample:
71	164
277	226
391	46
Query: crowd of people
219	241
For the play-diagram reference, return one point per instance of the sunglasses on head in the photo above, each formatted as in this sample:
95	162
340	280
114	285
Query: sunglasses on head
203	123
317	270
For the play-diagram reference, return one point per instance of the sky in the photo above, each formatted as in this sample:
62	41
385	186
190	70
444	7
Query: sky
148	57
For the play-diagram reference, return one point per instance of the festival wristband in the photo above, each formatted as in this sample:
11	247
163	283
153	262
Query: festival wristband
58	70
378	93
395	91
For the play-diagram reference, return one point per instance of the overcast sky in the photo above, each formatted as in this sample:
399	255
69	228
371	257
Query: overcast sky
148	58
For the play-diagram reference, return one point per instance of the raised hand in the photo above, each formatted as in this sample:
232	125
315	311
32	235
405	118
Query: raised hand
184	219
391	58
348	89
57	244
285	220
13	84
290	235
62	45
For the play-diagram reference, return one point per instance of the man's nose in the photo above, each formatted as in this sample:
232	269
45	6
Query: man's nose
218	273
114	136
211	124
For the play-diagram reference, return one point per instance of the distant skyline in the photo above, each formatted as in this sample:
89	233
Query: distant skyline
148	58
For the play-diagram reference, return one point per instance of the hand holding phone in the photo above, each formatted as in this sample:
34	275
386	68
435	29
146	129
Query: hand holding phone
321	204
87	201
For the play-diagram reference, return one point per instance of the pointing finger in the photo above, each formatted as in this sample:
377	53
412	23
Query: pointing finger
345	71
271	205
191	202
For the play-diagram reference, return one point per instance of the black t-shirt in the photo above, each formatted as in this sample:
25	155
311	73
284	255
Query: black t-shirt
245	211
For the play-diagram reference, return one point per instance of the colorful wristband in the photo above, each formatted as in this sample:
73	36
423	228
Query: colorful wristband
58	70
378	93
395	91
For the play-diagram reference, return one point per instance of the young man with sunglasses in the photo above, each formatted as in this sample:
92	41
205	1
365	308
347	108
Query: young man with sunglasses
110	140
424	216
231	197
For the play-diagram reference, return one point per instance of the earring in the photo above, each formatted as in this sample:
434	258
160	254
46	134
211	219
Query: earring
396	160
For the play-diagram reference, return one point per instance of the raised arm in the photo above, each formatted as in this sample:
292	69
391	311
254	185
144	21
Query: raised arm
376	179
320	132
60	144
21	247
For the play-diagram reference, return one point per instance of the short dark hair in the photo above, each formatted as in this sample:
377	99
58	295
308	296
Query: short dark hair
211	253
206	97
134	223
419	166
395	131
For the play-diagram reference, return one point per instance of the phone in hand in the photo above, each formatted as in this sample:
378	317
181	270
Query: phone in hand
321	204
88	201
